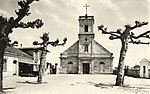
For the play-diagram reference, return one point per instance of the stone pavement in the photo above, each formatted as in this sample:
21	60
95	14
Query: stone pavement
75	84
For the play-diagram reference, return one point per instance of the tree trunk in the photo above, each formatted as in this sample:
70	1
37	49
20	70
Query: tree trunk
2	48
42	66
120	72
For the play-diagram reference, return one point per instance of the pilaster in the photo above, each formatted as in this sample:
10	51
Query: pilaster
80	68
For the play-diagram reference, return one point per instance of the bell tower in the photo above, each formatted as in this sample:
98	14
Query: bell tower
86	55
86	35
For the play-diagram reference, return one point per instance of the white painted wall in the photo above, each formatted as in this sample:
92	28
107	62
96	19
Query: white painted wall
11	68
146	64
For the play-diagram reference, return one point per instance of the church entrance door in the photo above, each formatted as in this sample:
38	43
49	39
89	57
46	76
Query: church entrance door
86	68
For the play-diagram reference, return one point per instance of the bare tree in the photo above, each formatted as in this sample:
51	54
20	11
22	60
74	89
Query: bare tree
126	36
45	42
8	24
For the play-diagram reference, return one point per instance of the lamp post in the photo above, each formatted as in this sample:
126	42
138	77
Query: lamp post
45	42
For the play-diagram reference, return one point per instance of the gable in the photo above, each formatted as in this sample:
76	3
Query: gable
99	49
72	49
144	61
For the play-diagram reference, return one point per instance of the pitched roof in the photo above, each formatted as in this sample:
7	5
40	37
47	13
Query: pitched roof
145	60
12	51
72	49
30	50
100	49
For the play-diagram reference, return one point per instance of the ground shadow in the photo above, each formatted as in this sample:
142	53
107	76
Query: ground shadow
29	82
102	85
107	85
137	87
8	88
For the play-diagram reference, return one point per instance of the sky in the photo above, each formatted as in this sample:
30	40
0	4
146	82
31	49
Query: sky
60	19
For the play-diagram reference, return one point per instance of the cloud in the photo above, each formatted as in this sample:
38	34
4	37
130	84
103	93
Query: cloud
4	13
133	9
61	20
9	6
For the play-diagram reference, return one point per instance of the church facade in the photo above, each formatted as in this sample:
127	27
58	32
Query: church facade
86	56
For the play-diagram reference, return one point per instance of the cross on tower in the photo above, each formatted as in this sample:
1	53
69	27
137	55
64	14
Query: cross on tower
86	7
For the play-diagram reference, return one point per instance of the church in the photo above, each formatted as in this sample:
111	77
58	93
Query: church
86	56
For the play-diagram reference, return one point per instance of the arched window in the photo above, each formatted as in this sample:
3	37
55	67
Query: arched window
70	68
101	63
85	39
15	61
70	62
15	67
101	67
86	28
86	48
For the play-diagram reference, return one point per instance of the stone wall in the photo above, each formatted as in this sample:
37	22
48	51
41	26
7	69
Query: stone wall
102	65
66	66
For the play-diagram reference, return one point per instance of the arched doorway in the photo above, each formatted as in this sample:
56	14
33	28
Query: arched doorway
101	67
70	67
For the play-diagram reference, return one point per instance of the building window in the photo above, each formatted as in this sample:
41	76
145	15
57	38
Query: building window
86	48
70	62
15	67
70	67
15	61
101	63
86	28
101	67
85	39
144	69
47	65
4	65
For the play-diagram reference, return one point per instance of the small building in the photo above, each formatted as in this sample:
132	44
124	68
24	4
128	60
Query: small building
145	68
86	55
14	60
35	52
22	61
